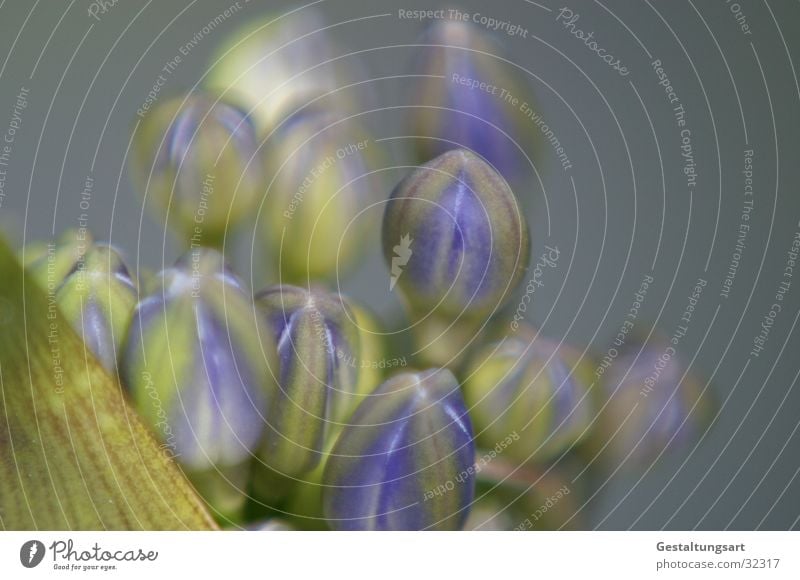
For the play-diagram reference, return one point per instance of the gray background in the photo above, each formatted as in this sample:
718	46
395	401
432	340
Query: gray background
90	77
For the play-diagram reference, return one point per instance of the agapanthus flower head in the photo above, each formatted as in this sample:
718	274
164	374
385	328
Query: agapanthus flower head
471	96
98	298
525	386
466	240
406	459
317	340
196	159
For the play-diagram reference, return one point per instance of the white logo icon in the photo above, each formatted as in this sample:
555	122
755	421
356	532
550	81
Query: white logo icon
402	254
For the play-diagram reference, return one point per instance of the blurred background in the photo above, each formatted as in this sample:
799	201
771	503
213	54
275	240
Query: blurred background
631	203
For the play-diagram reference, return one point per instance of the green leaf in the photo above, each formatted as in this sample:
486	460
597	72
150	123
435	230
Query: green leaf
73	454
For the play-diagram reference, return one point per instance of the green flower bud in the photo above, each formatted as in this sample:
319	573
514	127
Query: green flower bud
316	337
319	186
58	259
651	403
98	299
196	159
271	67
526	389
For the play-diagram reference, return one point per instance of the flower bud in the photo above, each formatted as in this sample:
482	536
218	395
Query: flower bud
50	267
98	299
316	337
454	237
313	216
526	389
199	366
652	404
406	460
197	158
274	66
470	97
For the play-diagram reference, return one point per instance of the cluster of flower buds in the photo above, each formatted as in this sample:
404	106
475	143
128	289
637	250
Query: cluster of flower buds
283	403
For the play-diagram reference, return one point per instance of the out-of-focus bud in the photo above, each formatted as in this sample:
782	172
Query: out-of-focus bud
200	367
196	159
313	218
98	299
527	391
50	267
471	97
317	340
455	237
274	66
652	403
405	461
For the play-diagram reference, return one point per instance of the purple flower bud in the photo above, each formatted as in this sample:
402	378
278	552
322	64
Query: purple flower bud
471	97
199	365
406	460
454	237
524	388
197	160
652	403
317	340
